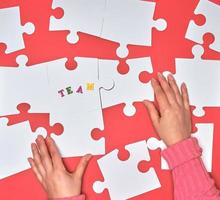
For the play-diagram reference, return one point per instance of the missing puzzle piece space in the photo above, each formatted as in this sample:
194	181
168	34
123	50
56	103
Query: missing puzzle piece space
128	88
205	136
12	33
122	178
202	79
130	22
15	146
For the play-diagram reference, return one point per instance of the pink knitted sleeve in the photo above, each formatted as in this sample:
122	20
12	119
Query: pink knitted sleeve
191	180
81	197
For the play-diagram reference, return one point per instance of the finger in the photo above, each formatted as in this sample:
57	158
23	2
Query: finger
37	160
175	88
44	154
185	95
80	169
35	170
54	153
167	89
160	95
153	112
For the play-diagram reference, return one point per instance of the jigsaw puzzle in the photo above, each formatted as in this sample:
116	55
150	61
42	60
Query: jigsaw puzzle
76	104
77	17
130	22
123	179
211	12
23	85
128	87
12	32
201	77
205	136
15	147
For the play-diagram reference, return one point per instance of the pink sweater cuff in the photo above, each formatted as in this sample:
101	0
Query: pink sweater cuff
80	197
182	152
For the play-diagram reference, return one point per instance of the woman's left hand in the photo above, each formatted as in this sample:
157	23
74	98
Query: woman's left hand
50	171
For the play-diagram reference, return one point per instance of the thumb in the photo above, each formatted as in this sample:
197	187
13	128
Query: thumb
81	167
153	112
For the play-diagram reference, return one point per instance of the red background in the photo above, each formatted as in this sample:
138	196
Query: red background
45	45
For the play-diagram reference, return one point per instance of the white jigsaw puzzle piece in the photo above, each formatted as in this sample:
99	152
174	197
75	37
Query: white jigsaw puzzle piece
11	32
76	139
23	85
130	22
15	146
205	136
211	11
79	112
75	91
128	88
201	77
79	16
130	182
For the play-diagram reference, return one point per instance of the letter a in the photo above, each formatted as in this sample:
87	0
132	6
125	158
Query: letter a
79	90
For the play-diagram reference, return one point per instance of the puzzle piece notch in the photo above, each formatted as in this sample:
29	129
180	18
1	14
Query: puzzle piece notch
15	145
12	34
197	28
138	91
205	136
200	86
120	25
131	181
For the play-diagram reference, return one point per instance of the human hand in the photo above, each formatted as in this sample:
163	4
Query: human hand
50	171
172	120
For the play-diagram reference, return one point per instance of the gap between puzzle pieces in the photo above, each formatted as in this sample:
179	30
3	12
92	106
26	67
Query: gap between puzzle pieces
36	120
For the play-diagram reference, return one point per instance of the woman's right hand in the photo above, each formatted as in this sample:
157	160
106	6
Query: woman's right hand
172	120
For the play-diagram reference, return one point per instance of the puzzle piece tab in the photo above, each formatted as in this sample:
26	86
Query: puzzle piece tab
79	16
122	178
130	22
205	136
11	33
211	12
15	147
201	76
128	87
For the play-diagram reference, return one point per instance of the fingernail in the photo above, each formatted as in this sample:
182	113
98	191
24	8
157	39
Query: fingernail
184	85
32	146
171	77
159	74
153	80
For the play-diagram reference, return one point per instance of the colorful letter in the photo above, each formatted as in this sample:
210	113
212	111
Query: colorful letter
90	86
69	90
61	92
79	90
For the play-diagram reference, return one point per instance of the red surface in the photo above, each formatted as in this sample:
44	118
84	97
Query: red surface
44	46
